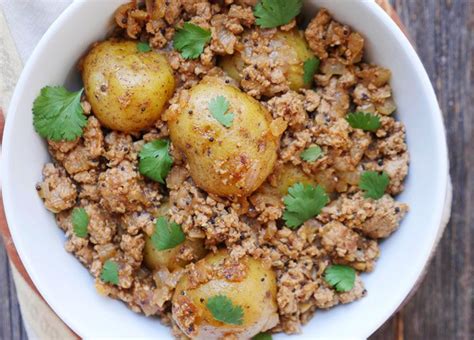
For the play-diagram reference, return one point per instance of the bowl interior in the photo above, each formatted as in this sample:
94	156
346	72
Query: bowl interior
69	288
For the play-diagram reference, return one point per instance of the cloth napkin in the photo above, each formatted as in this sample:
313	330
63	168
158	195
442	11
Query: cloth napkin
28	20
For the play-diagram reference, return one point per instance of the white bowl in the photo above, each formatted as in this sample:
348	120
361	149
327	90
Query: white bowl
67	286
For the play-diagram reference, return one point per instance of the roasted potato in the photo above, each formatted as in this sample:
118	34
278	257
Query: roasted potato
128	90
227	161
290	174
288	48
285	176
155	259
246	283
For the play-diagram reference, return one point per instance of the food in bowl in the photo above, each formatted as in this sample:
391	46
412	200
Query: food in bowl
225	169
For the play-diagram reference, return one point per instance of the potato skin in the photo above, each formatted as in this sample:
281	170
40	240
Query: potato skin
288	47
255	292
128	90
157	259
224	161
289	175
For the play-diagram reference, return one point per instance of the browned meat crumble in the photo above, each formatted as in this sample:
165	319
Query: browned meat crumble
99	171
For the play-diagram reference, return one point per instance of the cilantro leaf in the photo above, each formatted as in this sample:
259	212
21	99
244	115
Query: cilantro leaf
143	47
262	336
190	40
374	184
340	277
58	114
218	107
312	153
310	67
80	222
155	160
303	202
273	13
364	121
223	310
167	234
110	273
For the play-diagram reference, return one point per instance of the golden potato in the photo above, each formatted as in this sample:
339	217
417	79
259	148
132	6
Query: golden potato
155	259
246	283
290	174
128	90
227	161
290	49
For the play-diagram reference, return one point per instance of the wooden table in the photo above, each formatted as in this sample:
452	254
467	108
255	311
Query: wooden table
442	308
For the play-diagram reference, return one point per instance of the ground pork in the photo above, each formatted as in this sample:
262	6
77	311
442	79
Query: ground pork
81	157
373	218
122	189
326	37
57	190
348	247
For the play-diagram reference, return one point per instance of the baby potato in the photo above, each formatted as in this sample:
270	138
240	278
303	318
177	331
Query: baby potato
290	174
226	161
289	48
128	90
156	259
246	283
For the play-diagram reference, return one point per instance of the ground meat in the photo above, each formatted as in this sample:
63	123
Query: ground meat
80	158
137	222
122	189
373	218
325	297
223	31
263	72
102	226
57	190
132	247
335	101
79	246
389	153
326	37
347	246
291	107
117	147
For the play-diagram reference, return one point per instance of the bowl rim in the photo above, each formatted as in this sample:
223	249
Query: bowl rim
376	10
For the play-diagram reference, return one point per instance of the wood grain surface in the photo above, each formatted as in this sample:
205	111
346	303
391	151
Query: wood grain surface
443	33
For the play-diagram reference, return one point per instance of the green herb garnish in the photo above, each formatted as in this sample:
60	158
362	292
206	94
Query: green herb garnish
155	160
274	13
110	272
262	336
218	107
312	153
58	114
364	121
310	67
374	184
340	277
303	202
223	310
191	40
167	234
80	222
143	47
